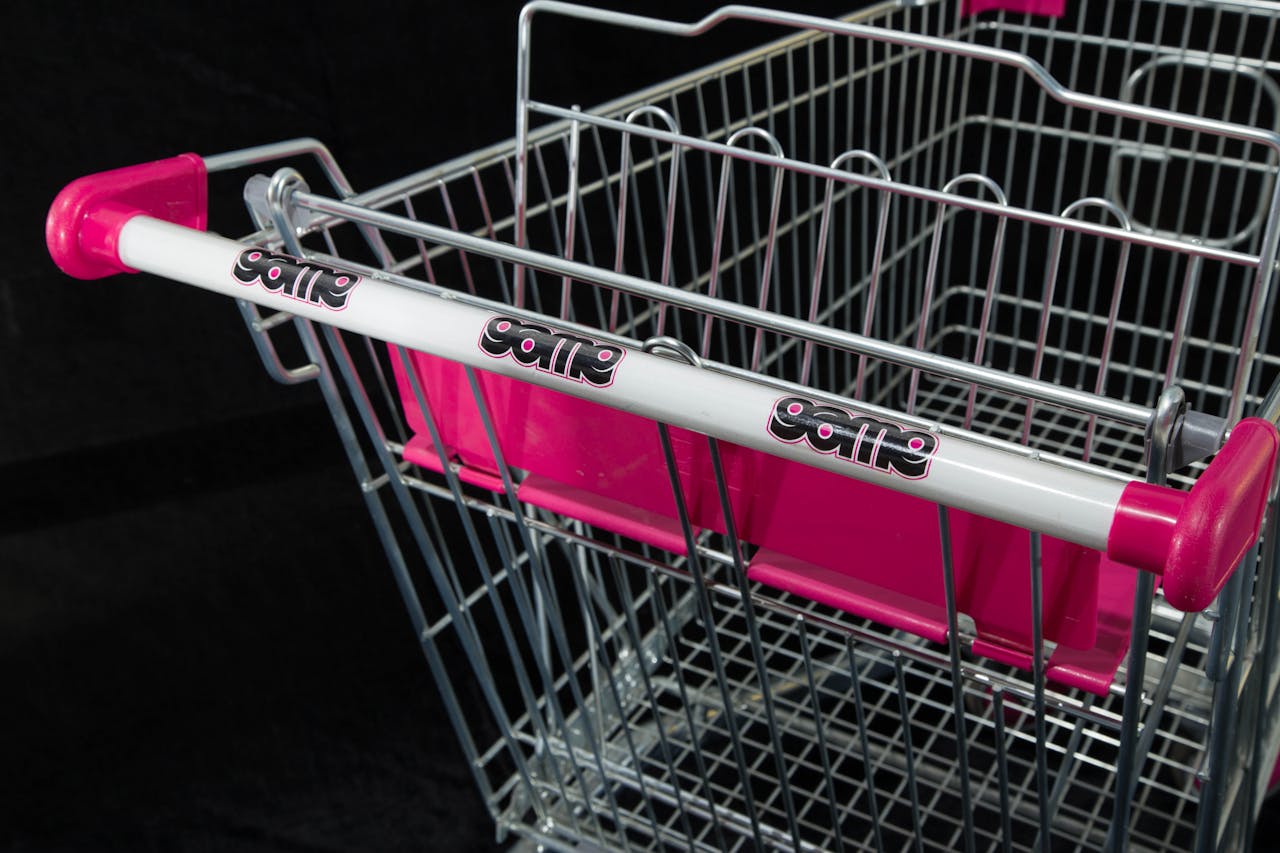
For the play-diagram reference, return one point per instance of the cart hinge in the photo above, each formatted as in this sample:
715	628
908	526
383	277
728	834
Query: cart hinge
1195	437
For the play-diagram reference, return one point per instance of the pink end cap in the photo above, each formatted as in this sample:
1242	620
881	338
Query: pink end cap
1196	539
1222	516
1144	522
83	226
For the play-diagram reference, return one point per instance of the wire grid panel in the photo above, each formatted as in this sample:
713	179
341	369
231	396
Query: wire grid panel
1008	290
641	697
858	750
611	719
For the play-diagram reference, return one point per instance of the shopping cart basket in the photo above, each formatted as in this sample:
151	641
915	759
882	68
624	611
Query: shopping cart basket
812	452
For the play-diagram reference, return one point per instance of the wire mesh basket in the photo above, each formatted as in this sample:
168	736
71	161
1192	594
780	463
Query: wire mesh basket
786	455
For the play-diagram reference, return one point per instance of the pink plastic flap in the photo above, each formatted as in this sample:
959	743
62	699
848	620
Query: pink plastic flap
892	541
853	545
420	451
1094	669
589	447
851	594
622	518
1091	669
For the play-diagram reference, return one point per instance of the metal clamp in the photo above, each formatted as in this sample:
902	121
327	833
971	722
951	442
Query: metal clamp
275	211
260	330
266	199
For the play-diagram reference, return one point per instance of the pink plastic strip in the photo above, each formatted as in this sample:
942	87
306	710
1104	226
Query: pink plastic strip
849	594
83	225
420	451
615	516
1092	668
1047	8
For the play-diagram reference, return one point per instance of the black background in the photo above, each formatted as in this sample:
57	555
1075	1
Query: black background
201	647
200	644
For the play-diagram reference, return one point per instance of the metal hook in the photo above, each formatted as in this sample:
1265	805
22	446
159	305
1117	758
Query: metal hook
931	275
284	184
633	117
674	346
717	245
820	256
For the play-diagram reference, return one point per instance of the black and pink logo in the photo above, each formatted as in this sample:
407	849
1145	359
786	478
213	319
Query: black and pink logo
857	438
542	348
302	280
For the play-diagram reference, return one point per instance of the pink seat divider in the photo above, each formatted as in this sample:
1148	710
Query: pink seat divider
851	594
1094	669
852	545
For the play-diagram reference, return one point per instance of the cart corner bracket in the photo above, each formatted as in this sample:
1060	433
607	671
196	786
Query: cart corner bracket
1196	539
84	223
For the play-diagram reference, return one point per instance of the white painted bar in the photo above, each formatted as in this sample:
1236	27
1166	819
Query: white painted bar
1070	504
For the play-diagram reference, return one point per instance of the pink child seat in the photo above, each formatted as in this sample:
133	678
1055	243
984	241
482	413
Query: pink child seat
854	546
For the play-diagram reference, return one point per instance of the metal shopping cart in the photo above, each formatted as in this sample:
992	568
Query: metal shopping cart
812	452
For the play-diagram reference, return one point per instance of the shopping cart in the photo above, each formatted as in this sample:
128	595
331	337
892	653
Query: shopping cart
811	452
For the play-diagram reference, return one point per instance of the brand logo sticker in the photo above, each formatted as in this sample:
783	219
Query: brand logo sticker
854	437
305	281
542	348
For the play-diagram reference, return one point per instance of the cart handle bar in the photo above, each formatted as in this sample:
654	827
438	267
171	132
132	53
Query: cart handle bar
151	218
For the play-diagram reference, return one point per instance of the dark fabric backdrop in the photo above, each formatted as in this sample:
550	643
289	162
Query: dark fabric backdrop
200	645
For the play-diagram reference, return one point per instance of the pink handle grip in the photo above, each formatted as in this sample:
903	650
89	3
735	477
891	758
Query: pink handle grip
84	223
1195	539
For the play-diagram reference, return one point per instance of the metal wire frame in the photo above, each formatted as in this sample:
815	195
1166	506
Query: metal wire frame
934	105
557	754
644	749
513	564
1177	348
478	661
